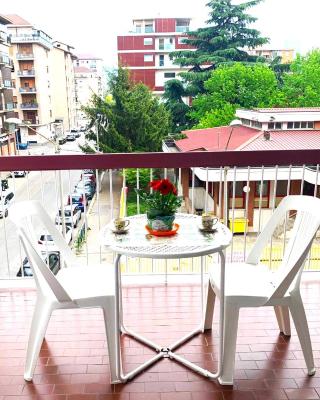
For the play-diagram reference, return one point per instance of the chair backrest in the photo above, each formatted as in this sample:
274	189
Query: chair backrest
25	215
306	224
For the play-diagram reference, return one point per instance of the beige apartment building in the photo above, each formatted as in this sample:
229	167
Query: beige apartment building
7	100
89	79
44	77
286	55
62	84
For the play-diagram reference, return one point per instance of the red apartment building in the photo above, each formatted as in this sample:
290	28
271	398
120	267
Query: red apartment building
145	51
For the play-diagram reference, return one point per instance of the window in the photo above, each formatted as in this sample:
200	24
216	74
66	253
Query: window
256	124
300	125
264	195
290	125
138	28
238	197
147	41
148	58
181	40
161	60
311	125
161	44
170	75
148	28
274	125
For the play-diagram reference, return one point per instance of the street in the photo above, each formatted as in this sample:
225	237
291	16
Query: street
36	185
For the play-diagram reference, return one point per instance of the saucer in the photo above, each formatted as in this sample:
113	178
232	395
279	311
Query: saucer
206	230
121	232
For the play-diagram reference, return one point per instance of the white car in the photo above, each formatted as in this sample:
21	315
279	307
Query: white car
18	174
46	239
72	215
70	136
5	200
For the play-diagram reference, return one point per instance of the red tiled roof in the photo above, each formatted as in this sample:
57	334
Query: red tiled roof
215	139
17	20
275	110
286	140
82	69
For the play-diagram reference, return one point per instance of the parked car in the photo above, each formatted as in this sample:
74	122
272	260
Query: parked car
5	200
62	139
17	174
53	261
79	199
83	128
89	176
46	239
87	188
76	132
72	215
70	136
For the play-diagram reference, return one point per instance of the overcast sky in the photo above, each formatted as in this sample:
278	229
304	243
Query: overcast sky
91	26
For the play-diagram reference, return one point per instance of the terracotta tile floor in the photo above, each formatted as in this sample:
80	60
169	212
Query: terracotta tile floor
73	364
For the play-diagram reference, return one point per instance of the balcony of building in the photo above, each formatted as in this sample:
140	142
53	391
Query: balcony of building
4	37
161	299
37	37
25	56
27	90
26	72
11	106
182	25
4	59
29	106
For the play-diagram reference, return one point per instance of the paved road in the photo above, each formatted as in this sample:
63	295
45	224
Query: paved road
36	185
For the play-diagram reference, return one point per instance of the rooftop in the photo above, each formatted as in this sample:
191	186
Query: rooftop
17	20
286	110
87	57
82	70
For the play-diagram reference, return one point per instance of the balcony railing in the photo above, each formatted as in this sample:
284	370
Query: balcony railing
27	90
182	28
254	183
26	72
25	56
11	106
4	59
28	106
32	38
4	37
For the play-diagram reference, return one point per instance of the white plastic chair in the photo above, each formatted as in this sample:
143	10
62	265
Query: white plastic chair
72	287
251	284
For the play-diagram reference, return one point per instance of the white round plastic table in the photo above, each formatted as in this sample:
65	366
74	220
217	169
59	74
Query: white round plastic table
189	241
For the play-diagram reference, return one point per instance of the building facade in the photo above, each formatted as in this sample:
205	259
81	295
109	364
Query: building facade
145	51
8	102
286	55
62	84
30	49
89	80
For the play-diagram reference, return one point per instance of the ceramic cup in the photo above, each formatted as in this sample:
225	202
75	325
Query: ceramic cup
120	224
208	221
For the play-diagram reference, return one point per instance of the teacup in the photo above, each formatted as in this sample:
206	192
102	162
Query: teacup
120	224
208	221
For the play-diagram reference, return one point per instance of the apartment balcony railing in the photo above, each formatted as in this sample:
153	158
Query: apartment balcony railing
254	183
11	106
4	59
4	37
32	38
25	56
29	106
26	72
23	90
182	28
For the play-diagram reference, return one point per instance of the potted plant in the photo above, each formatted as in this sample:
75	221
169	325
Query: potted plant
161	204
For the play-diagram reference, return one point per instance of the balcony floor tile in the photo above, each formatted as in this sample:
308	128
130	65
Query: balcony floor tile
74	364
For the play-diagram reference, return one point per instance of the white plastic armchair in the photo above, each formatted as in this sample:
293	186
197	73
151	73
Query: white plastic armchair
73	287
251	284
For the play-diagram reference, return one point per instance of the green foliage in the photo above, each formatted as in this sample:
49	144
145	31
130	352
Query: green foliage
223	41
235	86
218	117
174	91
137	121
301	86
144	177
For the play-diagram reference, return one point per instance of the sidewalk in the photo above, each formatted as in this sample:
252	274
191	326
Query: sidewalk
99	214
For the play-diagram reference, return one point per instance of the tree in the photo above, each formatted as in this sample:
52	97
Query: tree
301	86
137	121
223	41
235	86
173	100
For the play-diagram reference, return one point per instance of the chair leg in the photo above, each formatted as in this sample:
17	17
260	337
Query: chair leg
211	296
40	320
283	318
229	343
112	341
301	325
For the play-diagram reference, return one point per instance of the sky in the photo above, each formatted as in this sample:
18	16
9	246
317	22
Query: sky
92	26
